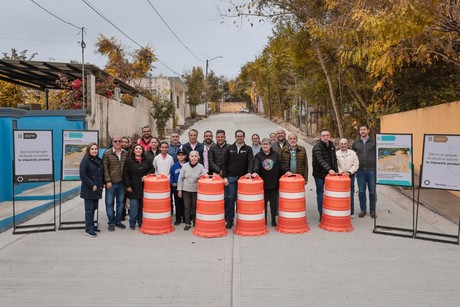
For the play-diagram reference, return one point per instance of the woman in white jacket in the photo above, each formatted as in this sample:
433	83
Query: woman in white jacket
348	163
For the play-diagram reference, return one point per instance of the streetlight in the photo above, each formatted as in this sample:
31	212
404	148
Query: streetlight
207	62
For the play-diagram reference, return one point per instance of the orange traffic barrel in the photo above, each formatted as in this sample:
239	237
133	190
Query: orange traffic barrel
250	208
210	208
292	205
156	211
336	204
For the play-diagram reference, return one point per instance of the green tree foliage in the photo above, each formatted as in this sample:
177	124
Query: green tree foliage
163	110
213	87
195	81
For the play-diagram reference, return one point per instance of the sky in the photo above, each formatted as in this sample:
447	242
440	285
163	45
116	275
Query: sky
24	25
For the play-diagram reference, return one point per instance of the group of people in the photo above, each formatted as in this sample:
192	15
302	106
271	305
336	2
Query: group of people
123	168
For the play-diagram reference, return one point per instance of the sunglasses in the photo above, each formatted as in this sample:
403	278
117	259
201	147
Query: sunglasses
117	141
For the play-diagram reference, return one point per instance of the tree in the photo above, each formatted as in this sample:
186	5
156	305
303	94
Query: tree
213	87
196	87
163	109
119	65
11	94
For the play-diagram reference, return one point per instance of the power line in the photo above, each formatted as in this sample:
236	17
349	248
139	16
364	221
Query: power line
106	19
121	31
175	35
55	16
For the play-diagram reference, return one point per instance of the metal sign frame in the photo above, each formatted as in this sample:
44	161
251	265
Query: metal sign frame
44	227
390	230
79	146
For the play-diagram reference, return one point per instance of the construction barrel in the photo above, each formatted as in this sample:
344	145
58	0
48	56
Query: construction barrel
250	208
210	208
336	204
156	212
292	205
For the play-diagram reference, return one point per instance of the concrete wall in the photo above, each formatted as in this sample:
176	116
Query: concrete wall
111	117
440	119
232	107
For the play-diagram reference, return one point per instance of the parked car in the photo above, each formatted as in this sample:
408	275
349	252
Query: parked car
244	110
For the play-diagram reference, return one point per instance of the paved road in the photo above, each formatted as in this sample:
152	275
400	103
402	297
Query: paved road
319	268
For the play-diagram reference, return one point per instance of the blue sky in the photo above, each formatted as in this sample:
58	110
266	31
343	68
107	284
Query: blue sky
23	25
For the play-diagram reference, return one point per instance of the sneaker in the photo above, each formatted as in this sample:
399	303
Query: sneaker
373	215
362	214
352	216
91	234
187	227
176	223
97	229
120	225
111	228
132	227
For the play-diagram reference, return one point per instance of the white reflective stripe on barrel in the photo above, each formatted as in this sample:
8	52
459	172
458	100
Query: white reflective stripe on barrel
337	194
336	213
250	197
156	216
291	215
210	197
210	217
293	195
157	195
250	217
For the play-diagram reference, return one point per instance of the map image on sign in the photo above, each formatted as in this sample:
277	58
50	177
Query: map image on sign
394	160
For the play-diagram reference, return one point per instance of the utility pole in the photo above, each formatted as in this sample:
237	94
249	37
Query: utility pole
83	46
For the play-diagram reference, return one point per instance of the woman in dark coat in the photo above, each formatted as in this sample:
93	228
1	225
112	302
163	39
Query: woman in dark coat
92	183
135	169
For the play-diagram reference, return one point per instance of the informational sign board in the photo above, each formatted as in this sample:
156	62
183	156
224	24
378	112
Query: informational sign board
441	162
74	143
394	159
33	156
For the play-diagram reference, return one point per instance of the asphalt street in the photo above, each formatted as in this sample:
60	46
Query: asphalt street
318	268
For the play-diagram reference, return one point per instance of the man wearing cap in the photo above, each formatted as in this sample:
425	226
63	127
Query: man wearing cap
173	178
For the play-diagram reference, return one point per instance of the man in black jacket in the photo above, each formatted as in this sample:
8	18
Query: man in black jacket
193	144
324	163
238	162
216	153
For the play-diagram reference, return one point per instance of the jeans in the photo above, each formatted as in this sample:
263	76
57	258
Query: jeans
319	193
90	208
230	198
366	177
117	191
352	194
135	212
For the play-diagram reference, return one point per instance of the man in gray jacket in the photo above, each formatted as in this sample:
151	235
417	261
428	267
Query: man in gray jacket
365	149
